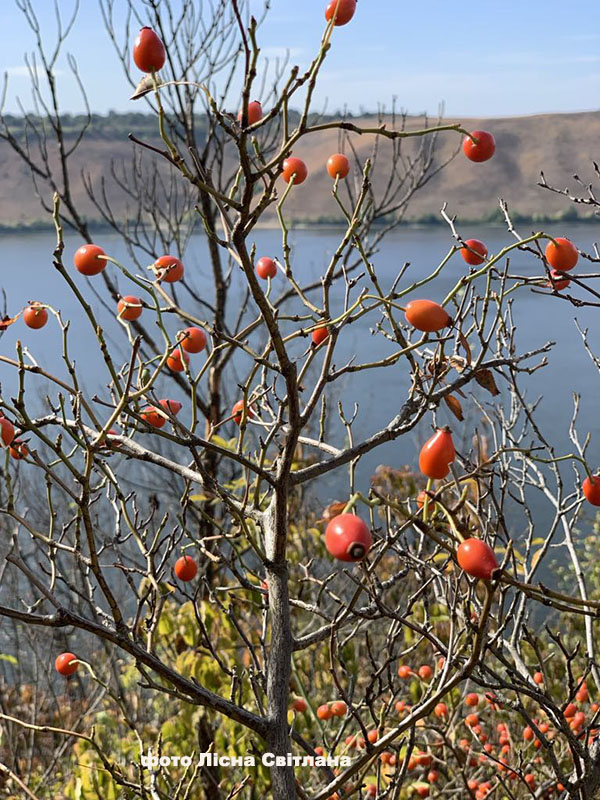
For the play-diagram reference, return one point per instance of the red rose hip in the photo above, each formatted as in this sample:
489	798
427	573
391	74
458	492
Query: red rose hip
66	664
477	558
88	259
35	316
557	281
348	538
296	168
177	362
339	708
129	308
482	149
238	410
437	454
266	268
7	431
338	166
194	340
185	568
170	406
561	254
149	51
299	705
152	416
477	257
343	10
18	450
427	316
254	113
591	490
319	335
168	269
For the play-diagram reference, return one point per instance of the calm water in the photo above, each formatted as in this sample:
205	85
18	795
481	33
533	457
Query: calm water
29	275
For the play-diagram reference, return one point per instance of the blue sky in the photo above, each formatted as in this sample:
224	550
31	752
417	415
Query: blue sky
480	59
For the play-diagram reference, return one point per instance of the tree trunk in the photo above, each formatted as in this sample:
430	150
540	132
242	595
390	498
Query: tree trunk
211	460
280	651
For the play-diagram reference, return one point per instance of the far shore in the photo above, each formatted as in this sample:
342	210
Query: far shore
427	221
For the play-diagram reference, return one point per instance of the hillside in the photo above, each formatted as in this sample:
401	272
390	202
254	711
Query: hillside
559	144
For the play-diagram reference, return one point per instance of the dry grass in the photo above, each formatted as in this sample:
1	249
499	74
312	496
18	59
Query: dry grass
560	144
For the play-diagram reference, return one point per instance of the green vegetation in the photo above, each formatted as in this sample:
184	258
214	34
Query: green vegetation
492	217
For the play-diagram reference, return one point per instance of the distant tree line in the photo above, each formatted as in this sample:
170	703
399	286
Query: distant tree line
116	124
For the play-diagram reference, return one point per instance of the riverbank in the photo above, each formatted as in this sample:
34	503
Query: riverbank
323	223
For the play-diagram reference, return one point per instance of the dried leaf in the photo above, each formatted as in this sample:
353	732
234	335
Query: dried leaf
485	378
144	86
333	509
436	366
481	443
458	362
5	322
180	644
455	407
465	345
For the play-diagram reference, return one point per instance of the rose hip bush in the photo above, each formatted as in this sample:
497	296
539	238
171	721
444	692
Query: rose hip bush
412	638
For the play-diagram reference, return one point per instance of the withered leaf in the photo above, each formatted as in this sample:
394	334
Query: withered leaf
485	378
180	644
465	345
455	407
333	509
481	444
144	86
5	322
458	362
437	366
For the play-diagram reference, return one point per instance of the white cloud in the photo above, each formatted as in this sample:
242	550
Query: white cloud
281	52
23	71
18	72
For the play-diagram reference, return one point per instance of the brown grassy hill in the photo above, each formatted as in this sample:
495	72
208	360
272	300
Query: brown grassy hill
558	144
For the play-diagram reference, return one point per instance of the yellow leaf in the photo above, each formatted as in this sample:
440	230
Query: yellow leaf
227	444
536	557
